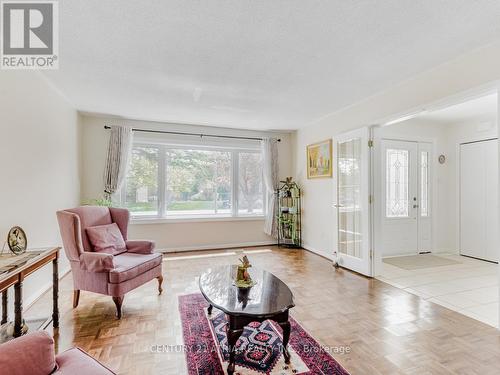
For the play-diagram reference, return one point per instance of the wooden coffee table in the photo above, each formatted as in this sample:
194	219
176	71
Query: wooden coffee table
270	299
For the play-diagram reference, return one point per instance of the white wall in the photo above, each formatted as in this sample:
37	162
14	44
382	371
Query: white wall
39	164
175	235
477	68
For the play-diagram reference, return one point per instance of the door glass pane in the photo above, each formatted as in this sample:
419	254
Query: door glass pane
141	186
424	184
349	197
397	201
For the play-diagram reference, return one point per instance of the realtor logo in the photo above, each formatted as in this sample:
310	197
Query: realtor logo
29	35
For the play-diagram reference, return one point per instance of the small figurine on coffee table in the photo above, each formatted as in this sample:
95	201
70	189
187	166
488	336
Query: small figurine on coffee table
243	279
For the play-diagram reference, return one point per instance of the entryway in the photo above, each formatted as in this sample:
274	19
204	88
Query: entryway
436	206
417	206
405	222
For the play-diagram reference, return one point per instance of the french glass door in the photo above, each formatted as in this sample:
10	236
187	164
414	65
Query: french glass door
353	203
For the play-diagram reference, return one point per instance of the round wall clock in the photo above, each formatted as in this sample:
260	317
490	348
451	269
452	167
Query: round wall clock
16	239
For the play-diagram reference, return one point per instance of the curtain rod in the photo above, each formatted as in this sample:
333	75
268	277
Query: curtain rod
193	134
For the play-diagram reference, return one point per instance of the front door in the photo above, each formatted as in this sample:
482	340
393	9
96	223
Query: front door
353	204
406	226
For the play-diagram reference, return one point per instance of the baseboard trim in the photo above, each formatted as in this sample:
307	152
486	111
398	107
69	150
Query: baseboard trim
44	289
215	246
311	249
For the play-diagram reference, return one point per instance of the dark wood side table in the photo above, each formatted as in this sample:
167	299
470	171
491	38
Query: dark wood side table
270	299
13	271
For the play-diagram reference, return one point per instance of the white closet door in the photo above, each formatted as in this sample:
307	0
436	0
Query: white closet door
478	200
472	230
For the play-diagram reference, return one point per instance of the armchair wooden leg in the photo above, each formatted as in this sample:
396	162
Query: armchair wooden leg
118	302
160	281
76	298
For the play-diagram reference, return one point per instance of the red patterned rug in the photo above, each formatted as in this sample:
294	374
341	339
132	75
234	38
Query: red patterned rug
258	349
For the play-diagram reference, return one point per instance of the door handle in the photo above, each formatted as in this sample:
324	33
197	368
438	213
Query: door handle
415	206
338	205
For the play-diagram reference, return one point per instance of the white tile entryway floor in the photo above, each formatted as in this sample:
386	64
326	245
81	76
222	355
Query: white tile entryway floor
470	287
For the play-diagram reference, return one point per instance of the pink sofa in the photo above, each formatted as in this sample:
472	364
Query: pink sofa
112	275
33	354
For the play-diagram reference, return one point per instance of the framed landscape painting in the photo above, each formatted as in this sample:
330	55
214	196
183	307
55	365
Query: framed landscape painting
319	159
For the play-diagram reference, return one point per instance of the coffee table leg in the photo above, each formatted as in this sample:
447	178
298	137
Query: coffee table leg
232	338
209	310
286	336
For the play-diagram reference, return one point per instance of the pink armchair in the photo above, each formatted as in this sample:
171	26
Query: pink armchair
33	354
112	275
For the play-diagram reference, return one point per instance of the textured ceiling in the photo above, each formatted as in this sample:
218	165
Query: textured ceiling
273	64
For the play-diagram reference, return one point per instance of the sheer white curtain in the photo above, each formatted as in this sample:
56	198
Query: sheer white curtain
269	148
119	150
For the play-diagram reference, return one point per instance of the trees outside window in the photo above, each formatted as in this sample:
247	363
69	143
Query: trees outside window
250	184
142	182
165	181
198	181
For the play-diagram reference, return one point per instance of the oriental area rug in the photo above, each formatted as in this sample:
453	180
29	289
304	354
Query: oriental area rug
259	349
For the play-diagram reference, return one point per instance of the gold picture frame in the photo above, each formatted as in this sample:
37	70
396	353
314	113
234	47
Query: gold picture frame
319	159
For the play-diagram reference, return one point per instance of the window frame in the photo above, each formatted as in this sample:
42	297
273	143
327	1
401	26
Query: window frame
163	215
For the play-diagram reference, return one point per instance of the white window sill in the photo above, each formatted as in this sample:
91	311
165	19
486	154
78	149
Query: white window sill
193	219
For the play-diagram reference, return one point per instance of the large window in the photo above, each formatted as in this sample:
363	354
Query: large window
178	181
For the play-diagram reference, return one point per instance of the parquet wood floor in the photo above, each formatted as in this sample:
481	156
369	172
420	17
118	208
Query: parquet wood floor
388	330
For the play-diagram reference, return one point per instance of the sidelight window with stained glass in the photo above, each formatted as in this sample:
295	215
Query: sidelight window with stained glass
424	183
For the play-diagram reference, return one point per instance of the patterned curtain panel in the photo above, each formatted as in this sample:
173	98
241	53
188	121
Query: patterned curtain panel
119	149
269	148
